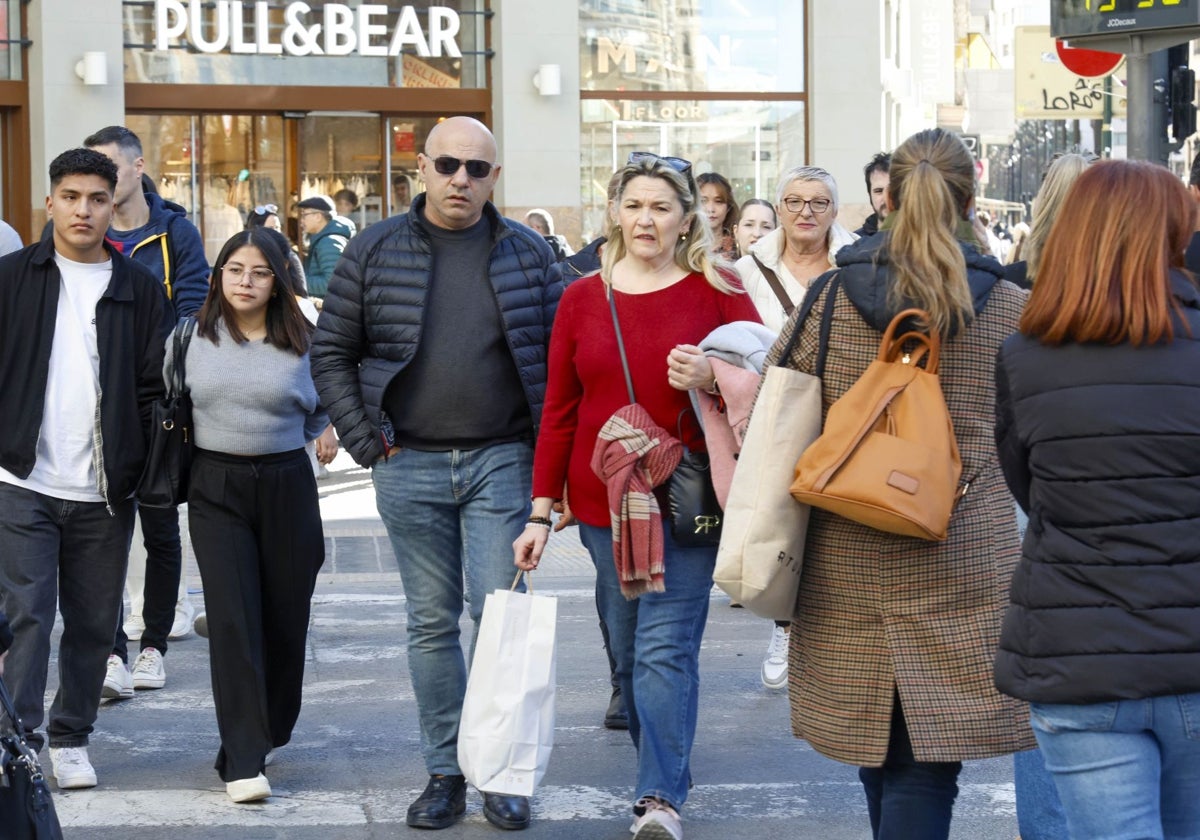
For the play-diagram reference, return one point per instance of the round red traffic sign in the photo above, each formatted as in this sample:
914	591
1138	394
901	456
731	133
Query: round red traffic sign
1087	63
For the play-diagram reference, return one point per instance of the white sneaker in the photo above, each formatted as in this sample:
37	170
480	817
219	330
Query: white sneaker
148	670
248	790
71	767
134	627
118	682
775	664
659	821
181	628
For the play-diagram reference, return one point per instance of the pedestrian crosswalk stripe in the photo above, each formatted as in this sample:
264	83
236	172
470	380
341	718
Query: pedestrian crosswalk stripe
104	807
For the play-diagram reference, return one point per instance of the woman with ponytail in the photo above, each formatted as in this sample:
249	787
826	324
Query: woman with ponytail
893	640
659	278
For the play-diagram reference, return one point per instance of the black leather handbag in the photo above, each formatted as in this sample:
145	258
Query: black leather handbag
695	513
26	807
164	481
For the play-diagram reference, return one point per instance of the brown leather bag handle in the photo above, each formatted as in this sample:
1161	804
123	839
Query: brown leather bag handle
890	347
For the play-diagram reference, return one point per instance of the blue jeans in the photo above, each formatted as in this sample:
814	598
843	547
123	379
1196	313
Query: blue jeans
655	641
450	516
1125	769
909	799
75	554
1039	811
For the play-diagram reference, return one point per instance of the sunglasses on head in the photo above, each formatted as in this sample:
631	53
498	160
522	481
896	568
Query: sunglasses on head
266	210
446	165
678	164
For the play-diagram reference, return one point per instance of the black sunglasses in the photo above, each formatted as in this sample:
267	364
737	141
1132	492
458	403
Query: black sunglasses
266	210
446	165
678	164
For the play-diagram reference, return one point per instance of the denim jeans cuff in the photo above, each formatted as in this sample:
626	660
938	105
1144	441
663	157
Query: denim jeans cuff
665	797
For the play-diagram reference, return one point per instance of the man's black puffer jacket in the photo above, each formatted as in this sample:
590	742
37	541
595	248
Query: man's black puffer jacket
370	326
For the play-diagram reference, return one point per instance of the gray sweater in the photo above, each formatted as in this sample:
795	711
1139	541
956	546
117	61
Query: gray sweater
249	399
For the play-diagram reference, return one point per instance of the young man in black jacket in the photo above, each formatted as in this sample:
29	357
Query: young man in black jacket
82	330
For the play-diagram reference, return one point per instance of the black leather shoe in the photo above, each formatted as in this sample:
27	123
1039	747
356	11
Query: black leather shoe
442	803
508	812
616	717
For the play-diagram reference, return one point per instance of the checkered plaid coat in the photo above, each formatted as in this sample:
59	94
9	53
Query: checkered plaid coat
880	613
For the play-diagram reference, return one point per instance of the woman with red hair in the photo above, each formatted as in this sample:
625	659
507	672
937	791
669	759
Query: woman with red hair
1098	430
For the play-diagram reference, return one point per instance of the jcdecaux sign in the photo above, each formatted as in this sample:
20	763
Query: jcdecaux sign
337	29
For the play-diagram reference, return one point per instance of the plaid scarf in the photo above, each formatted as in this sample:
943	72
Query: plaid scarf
633	455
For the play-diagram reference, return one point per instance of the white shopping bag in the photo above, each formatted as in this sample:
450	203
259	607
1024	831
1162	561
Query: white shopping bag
507	727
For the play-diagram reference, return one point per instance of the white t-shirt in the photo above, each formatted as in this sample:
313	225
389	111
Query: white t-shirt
64	468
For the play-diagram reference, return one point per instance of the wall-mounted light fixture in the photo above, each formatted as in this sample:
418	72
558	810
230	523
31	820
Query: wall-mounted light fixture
548	80
93	68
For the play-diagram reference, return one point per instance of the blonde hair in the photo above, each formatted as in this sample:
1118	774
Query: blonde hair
691	251
932	182
1059	178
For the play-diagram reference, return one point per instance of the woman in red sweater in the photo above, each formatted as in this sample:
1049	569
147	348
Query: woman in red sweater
668	296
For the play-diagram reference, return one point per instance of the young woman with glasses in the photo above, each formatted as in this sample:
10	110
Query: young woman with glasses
252	501
659	276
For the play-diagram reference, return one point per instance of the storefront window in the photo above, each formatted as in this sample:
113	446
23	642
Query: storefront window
217	167
692	45
750	143
220	167
424	44
10	36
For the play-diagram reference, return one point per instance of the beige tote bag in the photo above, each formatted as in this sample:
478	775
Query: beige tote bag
761	553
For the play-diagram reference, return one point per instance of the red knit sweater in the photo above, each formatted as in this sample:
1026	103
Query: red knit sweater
586	383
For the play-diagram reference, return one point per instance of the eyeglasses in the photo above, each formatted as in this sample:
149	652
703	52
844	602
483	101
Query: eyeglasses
680	165
258	277
446	165
266	210
816	205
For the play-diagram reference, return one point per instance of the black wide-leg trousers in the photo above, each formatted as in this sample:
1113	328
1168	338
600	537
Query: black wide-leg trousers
256	530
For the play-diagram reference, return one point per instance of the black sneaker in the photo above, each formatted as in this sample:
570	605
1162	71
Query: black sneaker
442	803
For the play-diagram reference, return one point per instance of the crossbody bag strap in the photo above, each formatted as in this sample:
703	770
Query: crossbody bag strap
182	335
776	287
832	280
612	305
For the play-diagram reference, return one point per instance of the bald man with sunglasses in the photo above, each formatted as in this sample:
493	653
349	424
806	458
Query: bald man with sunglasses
430	356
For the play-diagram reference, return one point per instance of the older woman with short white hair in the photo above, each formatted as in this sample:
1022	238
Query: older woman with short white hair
782	264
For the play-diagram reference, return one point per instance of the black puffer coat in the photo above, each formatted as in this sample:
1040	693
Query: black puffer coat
1101	446
370	326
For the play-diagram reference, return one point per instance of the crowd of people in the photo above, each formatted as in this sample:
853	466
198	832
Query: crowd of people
501	387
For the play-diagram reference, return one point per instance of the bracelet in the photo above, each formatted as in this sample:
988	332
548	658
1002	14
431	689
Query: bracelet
540	520
538	525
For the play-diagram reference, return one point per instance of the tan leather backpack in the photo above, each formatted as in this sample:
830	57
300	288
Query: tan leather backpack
887	457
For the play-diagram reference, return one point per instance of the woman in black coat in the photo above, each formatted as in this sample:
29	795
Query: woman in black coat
1098	429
